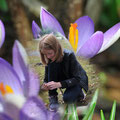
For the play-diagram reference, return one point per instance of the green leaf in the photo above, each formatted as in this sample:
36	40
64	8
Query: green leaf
70	117
118	7
112	116
110	13
72	112
75	109
102	115
66	113
118	3
90	112
3	5
94	99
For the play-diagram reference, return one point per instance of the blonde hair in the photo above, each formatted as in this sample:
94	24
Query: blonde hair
50	42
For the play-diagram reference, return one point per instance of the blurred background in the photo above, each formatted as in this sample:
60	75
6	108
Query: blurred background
17	16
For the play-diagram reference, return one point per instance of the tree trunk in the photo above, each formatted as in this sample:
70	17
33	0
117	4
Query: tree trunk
93	9
20	21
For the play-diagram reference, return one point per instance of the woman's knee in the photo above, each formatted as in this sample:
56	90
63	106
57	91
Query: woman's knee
68	98
71	95
65	98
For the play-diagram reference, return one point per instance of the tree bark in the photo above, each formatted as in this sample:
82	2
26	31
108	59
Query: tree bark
93	9
20	20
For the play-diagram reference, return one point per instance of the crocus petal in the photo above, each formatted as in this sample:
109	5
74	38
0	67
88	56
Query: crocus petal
110	37
1	105
35	30
12	104
4	117
33	109
20	64
11	110
2	33
92	46
34	83
9	77
15	99
85	29
48	21
53	115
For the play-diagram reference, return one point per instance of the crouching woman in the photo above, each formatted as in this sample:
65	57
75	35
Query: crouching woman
62	70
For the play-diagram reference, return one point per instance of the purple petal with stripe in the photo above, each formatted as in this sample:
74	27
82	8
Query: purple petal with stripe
35	30
48	21
4	117
9	77
85	29
20	65
92	46
34	83
110	37
34	109
2	33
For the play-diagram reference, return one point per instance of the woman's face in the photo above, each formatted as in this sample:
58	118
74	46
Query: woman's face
50	54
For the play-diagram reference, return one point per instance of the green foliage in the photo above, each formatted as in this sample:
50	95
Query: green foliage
109	15
94	99
3	5
113	111
103	77
70	112
102	115
65	114
118	3
90	111
118	6
112	116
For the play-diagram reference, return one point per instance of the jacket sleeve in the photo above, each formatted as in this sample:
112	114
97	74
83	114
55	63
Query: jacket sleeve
46	74
77	73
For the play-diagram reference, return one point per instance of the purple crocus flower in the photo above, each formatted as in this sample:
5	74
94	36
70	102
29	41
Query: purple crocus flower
2	33
89	43
18	90
17	80
32	109
36	30
29	80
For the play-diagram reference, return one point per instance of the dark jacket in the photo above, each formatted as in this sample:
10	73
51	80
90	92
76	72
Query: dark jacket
73	71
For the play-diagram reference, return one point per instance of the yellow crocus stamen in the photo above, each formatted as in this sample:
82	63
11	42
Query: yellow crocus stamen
73	36
76	40
8	89
5	89
2	89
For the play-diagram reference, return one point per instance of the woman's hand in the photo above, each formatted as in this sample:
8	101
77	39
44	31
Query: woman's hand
53	85
44	87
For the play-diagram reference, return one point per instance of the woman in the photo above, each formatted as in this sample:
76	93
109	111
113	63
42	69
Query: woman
62	70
